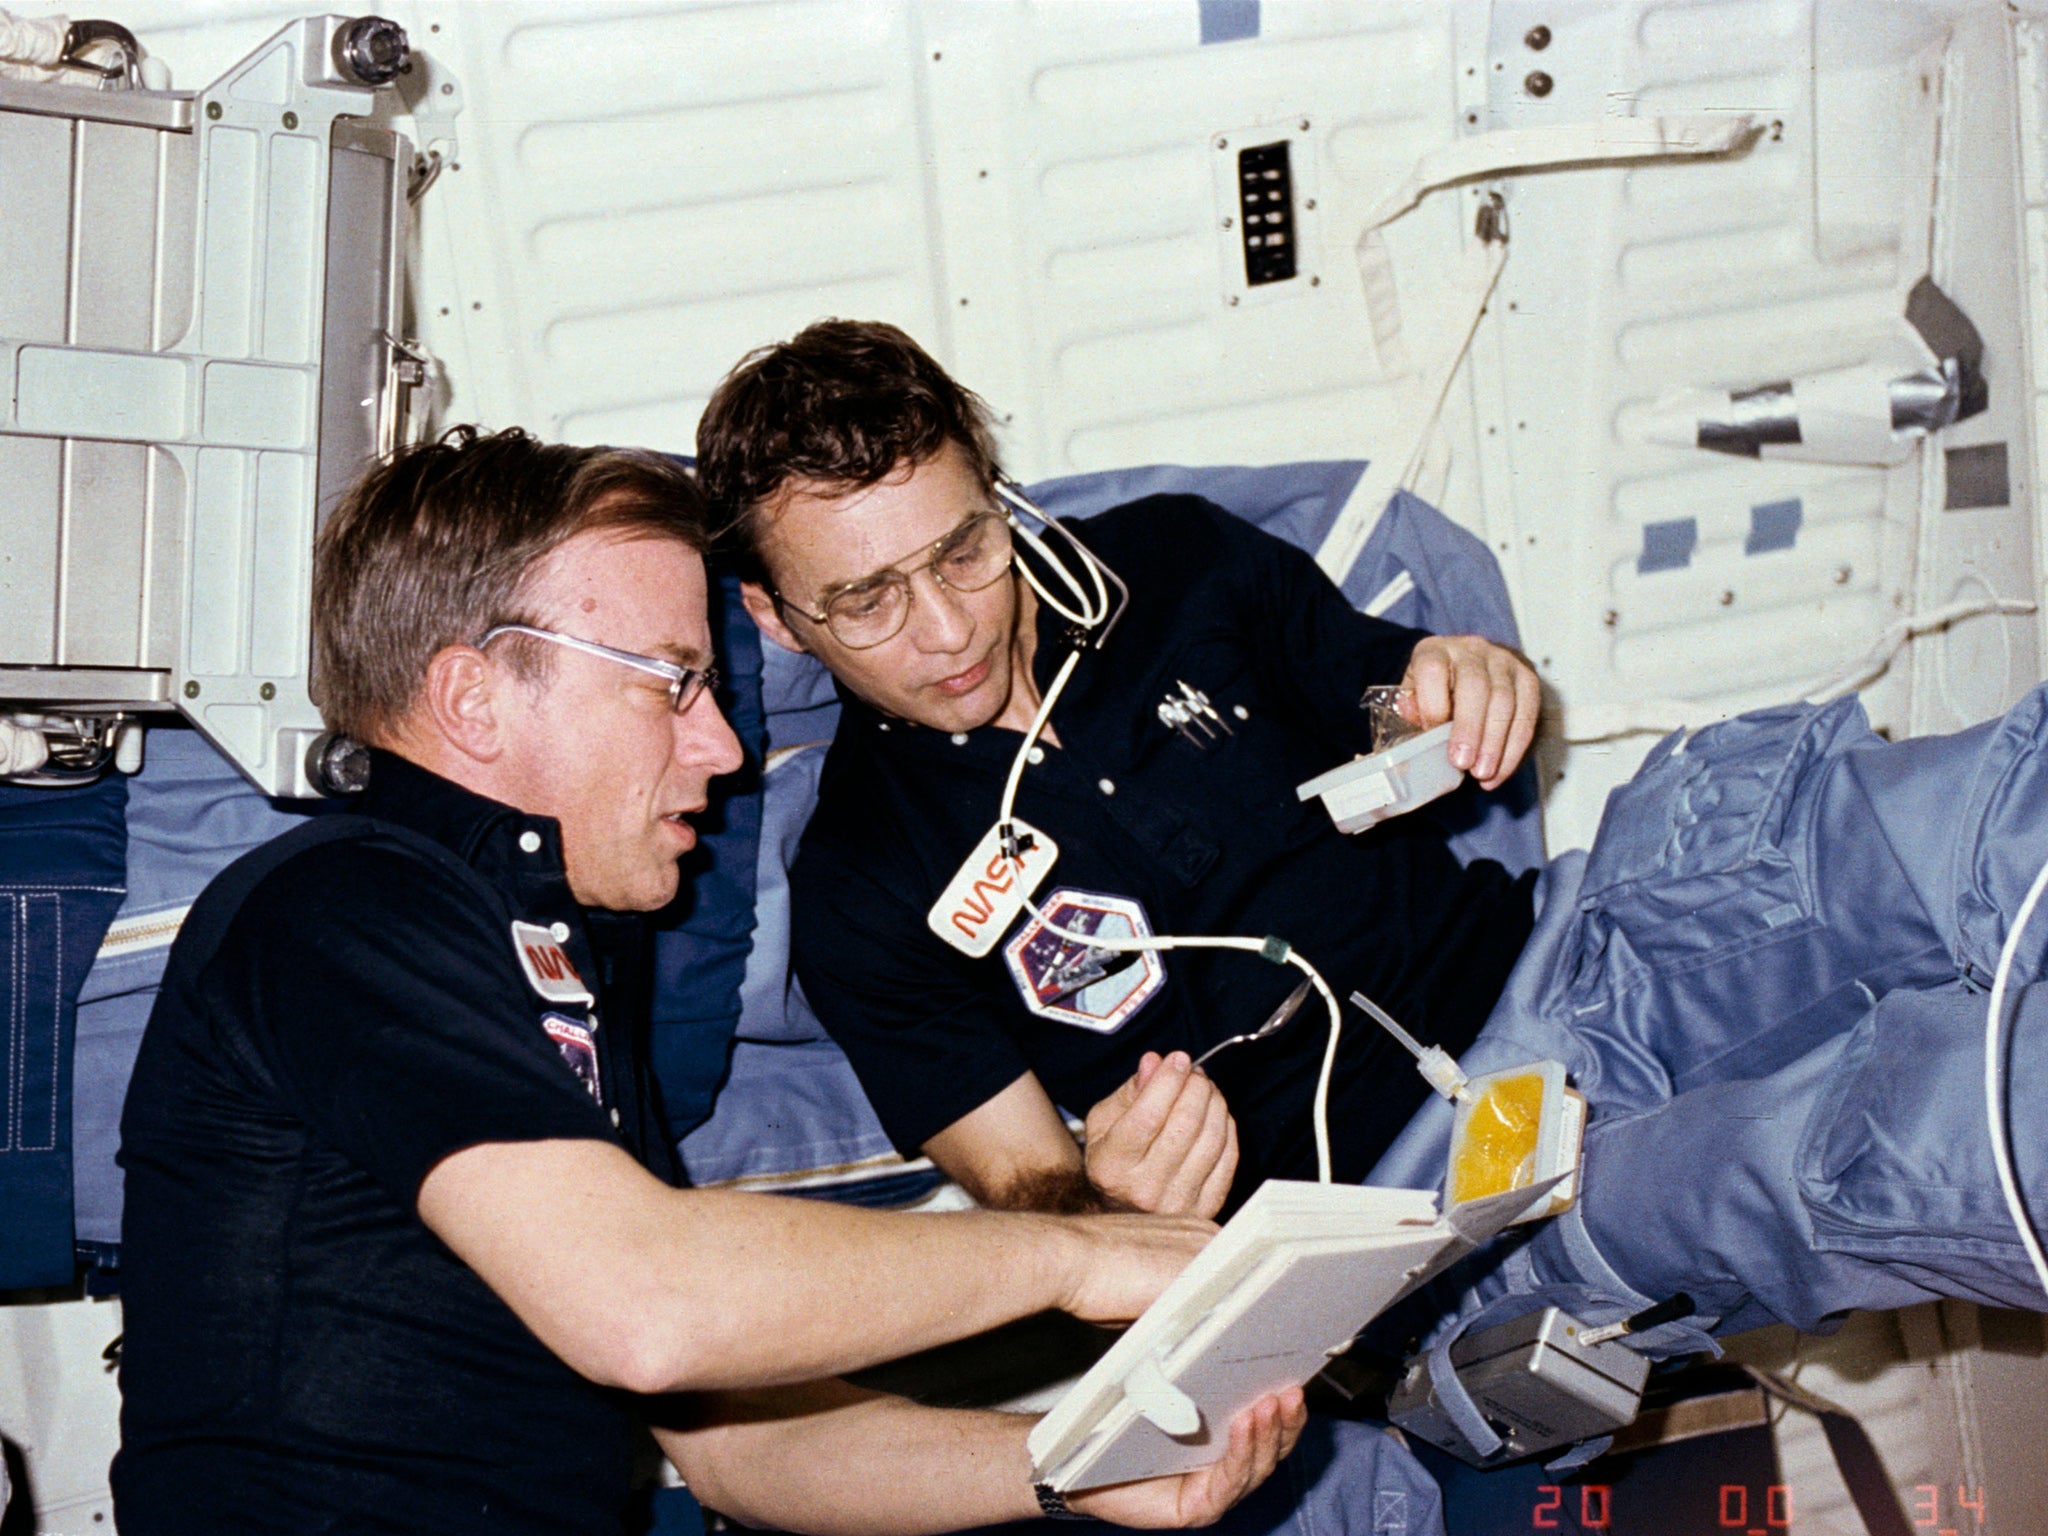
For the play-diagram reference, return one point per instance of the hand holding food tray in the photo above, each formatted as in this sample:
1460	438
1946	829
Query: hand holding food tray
1287	1283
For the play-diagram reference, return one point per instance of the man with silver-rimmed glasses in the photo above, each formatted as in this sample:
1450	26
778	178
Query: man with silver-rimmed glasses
402	1251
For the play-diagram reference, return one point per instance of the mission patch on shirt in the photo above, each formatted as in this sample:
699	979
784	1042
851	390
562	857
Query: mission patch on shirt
1073	981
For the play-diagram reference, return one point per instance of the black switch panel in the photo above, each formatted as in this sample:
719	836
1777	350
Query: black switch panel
1265	196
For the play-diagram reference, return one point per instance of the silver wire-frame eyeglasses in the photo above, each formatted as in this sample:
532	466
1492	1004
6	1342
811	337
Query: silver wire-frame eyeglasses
868	612
685	684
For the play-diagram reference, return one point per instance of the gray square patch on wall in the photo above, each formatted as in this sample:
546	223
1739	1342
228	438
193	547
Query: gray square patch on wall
1977	477
1773	525
1668	546
1228	21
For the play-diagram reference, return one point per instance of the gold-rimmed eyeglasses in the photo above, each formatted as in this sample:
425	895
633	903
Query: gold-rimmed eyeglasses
864	613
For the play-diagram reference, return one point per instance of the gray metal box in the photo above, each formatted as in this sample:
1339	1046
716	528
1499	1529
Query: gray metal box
1536	1385
197	318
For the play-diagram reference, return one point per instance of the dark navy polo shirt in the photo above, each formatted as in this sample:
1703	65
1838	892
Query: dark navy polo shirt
1205	839
343	1009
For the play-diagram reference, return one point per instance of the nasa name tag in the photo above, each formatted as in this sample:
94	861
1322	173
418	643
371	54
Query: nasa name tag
547	966
988	892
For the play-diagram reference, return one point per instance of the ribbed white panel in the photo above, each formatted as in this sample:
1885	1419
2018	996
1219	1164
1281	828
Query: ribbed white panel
645	192
1623	285
1116	339
1794	258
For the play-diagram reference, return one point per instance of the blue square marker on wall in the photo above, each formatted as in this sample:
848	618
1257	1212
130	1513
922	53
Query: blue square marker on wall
1773	525
1228	21
1668	546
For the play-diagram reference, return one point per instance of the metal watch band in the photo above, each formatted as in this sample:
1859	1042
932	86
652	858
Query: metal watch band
1053	1504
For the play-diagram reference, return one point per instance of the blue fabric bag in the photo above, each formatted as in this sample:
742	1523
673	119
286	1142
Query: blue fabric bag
1769	978
62	854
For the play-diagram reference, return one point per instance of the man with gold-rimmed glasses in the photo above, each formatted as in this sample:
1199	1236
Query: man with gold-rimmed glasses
874	531
1777	908
867	612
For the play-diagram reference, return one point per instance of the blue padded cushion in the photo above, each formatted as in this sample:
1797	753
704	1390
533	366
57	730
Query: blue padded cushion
190	815
702	942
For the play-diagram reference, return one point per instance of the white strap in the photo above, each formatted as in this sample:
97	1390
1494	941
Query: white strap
32	47
1511	151
1482	157
1377	605
1389	472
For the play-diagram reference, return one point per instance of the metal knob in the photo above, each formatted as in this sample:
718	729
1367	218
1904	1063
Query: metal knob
338	765
372	50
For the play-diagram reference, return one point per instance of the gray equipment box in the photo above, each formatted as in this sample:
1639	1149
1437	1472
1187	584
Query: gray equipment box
1537	1386
199	300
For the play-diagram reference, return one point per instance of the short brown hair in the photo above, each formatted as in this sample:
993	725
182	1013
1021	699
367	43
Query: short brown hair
434	546
843	403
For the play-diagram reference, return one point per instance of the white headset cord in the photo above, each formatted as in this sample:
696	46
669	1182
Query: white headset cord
1276	951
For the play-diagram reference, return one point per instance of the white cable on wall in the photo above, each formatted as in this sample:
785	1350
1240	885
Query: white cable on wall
1585	723
1482	157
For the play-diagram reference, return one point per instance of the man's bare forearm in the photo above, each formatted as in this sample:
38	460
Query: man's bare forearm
828	1459
800	1289
658	1290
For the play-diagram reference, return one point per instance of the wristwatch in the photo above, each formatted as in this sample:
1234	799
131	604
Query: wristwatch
1053	1504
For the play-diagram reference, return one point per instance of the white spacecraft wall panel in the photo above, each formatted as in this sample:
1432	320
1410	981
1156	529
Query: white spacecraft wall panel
645	192
1626	284
1094	224
2030	40
1976	535
637	194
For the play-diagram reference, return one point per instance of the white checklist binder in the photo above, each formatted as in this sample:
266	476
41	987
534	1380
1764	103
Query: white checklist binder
1286	1284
